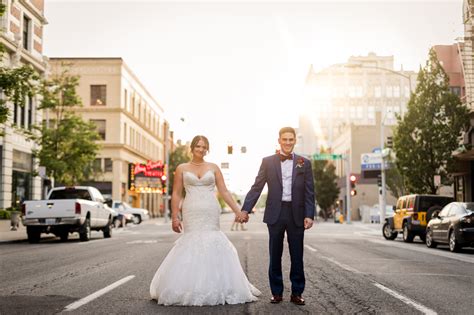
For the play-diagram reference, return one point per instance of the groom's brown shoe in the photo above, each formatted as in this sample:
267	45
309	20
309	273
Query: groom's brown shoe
276	299
297	299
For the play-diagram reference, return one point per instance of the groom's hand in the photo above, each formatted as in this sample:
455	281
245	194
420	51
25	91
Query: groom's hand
308	223
245	216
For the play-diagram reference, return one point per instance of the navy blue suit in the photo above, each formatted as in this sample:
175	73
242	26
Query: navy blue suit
284	217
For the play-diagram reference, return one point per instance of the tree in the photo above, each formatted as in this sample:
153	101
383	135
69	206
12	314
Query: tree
67	143
16	83
394	180
325	186
178	156
428	133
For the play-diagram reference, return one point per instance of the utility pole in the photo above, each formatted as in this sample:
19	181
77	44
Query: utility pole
167	165
348	188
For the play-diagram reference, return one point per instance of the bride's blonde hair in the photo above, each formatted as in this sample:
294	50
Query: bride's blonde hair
196	139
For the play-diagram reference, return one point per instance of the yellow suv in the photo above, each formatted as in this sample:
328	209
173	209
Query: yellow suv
411	215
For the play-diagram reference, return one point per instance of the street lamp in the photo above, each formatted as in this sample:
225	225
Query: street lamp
382	140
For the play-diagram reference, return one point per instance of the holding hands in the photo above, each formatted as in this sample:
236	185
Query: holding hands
242	216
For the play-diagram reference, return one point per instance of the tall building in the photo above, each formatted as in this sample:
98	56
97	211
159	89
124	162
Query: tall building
464	177
22	35
351	93
132	127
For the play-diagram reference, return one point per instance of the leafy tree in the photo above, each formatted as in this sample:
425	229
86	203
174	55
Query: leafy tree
16	83
325	186
428	133
394	180
179	156
67	143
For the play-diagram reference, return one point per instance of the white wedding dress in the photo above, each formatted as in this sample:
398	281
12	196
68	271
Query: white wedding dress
203	267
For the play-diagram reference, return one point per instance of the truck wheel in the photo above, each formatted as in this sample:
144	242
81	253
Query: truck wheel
388	233
85	231
34	234
137	219
107	230
408	236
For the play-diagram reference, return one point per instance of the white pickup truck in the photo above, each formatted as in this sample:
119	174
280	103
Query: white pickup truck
66	210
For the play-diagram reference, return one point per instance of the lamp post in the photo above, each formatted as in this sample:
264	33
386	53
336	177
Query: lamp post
383	203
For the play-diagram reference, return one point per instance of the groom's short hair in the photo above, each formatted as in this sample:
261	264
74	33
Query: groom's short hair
287	129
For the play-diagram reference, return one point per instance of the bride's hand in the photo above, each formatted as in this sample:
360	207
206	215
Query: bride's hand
176	225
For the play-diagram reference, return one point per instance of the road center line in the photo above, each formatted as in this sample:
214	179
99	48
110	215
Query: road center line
311	248
97	294
405	299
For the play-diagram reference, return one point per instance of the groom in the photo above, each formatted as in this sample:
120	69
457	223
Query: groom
290	208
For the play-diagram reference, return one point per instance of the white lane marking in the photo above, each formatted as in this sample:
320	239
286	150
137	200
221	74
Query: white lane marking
310	248
143	242
431	251
397	295
405	299
97	294
343	266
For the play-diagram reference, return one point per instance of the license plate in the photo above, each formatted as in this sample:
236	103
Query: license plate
50	221
415	222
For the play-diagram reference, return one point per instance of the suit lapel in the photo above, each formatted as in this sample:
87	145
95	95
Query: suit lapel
293	173
277	164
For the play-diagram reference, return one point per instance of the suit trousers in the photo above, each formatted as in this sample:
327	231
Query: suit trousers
295	237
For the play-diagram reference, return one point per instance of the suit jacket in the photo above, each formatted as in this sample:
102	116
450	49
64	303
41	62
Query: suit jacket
302	189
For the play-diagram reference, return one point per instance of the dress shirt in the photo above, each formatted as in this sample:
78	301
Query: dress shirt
286	176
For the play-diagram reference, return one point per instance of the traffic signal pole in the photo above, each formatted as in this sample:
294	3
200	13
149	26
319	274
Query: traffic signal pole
348	188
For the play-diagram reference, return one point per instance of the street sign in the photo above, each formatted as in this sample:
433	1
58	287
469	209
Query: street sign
327	156
371	161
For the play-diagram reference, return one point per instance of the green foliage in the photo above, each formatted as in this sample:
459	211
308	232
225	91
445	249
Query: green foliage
16	83
5	214
67	143
179	156
394	180
325	185
428	133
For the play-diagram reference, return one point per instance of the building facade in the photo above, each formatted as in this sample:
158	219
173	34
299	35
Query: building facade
351	93
132	127
22	35
464	177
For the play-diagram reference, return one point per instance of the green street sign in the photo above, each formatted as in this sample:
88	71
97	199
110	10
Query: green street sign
327	156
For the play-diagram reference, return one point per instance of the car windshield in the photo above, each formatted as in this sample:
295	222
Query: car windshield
126	205
70	193
469	206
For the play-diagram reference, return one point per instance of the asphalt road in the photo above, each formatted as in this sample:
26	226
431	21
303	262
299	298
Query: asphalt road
349	269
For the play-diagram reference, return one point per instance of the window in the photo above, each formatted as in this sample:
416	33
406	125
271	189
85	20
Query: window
97	165
26	32
108	165
396	91
456	90
371	112
378	91
100	127
389	91
98	95
30	112
125	133
125	99
407	91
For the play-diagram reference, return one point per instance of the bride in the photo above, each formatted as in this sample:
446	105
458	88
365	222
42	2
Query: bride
203	267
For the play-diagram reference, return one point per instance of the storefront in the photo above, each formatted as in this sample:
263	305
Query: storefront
21	177
145	186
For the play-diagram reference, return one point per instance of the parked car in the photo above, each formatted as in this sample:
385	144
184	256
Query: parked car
411	216
375	213
139	214
453	225
67	210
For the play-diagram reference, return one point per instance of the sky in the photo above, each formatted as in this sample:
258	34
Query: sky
235	70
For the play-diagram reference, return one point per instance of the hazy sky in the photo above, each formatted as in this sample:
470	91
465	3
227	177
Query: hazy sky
235	70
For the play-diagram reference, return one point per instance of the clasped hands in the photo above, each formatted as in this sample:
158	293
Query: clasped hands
242	217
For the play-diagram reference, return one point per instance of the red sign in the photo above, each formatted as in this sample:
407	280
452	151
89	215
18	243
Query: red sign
150	169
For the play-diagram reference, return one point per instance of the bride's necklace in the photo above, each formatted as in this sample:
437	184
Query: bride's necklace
197	164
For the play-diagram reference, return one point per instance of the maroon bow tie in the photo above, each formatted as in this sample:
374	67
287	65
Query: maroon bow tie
283	158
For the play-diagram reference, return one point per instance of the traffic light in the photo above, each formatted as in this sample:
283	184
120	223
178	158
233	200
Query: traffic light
230	149
353	180
379	180
390	142
163	184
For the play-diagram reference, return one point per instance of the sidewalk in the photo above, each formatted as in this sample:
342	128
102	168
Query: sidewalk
6	235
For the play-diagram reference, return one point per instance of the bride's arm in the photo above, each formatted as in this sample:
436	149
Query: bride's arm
225	194
176	198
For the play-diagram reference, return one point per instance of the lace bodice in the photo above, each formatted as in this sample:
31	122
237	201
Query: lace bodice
201	209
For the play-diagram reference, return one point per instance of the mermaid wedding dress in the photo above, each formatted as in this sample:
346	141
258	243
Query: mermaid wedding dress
203	267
